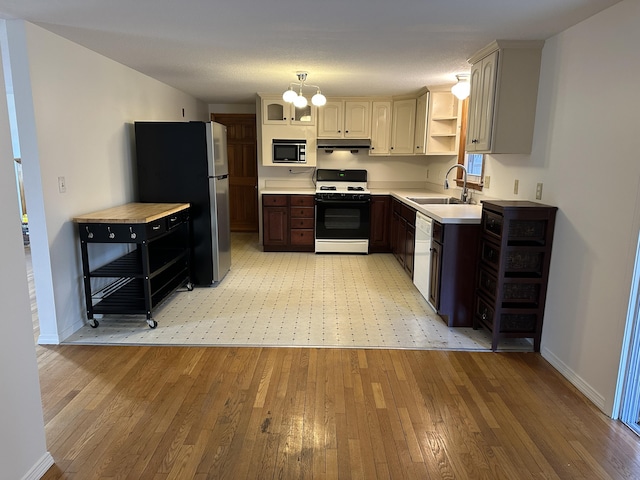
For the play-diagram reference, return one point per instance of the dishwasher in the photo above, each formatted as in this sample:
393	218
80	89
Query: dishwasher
422	263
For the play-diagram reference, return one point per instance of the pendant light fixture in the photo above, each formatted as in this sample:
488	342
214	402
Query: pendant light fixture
298	99
463	87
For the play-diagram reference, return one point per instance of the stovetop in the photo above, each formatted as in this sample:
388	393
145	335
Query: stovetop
329	181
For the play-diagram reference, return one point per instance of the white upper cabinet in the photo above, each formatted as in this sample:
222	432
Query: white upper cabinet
275	111
380	128
403	126
345	119
504	90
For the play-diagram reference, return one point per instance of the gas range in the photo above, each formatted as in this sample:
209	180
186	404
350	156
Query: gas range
342	211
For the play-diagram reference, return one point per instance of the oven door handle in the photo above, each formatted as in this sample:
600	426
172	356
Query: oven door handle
357	202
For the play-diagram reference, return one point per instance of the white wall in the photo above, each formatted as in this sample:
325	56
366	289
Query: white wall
23	453
585	154
75	112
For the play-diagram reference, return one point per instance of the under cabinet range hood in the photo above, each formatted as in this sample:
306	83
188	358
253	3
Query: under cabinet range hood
353	144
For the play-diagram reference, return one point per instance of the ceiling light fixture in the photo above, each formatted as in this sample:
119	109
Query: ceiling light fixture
463	87
298	99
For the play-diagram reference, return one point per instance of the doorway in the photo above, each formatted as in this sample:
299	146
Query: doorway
629	383
243	169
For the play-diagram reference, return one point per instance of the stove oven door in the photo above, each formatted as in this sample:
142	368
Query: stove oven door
342	219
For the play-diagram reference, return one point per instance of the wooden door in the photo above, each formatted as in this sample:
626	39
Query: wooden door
243	170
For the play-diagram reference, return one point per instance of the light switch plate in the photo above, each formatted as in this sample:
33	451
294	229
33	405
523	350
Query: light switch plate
515	186
539	191
62	185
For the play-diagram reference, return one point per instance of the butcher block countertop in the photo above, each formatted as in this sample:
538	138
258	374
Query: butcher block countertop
132	213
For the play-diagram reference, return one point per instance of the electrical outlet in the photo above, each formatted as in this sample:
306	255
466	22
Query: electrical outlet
515	186
539	191
62	185
487	182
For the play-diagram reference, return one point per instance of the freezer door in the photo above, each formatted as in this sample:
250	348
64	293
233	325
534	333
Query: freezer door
221	227
217	149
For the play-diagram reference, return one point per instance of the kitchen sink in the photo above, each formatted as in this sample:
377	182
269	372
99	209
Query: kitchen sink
434	200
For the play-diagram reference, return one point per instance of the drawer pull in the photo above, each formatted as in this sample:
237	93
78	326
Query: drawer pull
155	227
89	233
111	234
173	219
133	234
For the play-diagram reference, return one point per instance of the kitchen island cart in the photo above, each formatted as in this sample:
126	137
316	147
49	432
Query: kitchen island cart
155	240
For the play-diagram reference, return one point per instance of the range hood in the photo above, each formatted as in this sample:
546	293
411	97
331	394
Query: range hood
353	144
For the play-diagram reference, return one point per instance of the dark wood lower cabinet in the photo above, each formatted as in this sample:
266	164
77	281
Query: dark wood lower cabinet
454	253
380	218
288	223
403	234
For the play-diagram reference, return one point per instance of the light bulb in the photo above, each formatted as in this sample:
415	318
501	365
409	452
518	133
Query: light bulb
289	96
300	102
318	99
462	88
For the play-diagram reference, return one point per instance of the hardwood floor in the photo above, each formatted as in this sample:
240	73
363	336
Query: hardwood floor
232	413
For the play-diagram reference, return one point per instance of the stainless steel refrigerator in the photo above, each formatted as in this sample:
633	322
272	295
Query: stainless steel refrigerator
187	162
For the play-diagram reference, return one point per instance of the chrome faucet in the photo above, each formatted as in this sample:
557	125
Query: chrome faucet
464	196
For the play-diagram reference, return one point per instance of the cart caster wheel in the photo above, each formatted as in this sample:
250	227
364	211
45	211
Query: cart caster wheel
93	323
152	323
190	286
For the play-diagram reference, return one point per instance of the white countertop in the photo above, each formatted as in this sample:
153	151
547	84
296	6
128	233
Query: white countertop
443	213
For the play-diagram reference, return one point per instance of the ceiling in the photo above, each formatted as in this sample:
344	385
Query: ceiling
225	54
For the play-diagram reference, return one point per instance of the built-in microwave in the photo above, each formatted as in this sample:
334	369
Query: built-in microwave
289	151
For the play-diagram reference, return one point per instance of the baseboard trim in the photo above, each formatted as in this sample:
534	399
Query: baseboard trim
575	380
40	468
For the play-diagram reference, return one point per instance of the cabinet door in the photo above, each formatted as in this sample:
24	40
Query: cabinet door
303	116
275	111
380	128
403	127
275	226
420	137
357	119
330	120
435	274
380	225
410	247
481	103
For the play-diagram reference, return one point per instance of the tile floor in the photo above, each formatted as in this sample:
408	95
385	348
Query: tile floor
297	299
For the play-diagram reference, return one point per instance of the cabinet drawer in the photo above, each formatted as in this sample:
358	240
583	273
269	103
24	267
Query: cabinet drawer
176	219
274	200
484	311
302	236
302	223
487	283
492	224
510	321
302	200
302	212
490	253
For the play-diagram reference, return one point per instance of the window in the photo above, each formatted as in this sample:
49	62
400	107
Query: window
473	162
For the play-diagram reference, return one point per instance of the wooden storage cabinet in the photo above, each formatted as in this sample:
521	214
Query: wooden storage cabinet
345	119
136	282
453	263
513	269
288	223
